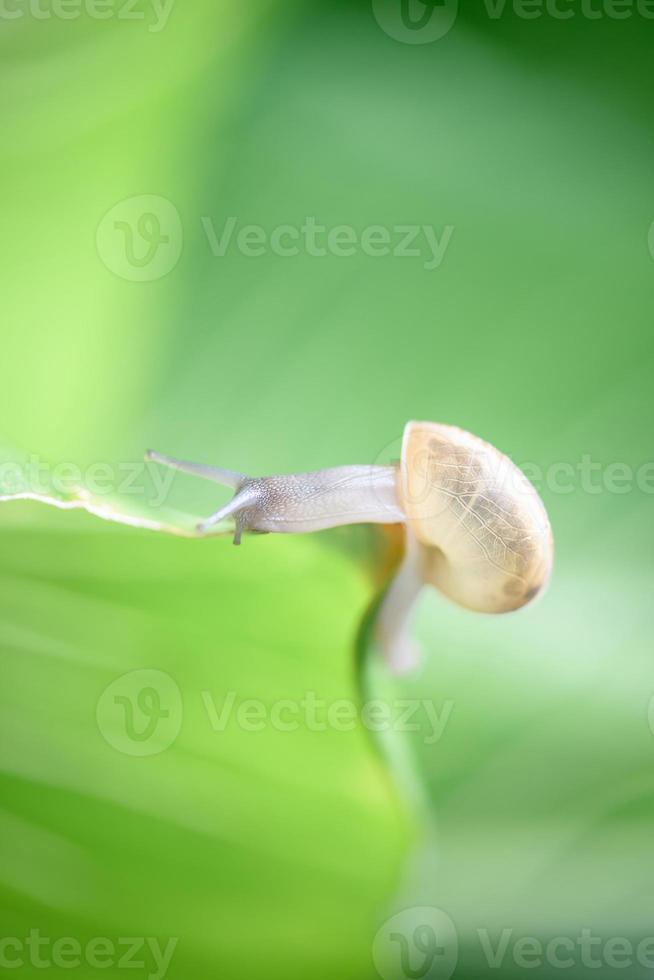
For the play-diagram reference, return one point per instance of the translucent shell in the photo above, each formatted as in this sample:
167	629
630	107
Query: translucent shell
485	537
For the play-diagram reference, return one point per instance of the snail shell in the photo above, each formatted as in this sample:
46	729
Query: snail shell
485	538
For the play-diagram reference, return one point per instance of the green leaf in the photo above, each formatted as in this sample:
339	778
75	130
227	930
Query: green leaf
250	843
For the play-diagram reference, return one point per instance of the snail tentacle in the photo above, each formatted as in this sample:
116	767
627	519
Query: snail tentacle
226	478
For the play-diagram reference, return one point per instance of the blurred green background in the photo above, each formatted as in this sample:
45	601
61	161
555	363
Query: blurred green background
273	853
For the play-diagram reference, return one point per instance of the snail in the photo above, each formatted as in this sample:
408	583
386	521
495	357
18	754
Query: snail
475	527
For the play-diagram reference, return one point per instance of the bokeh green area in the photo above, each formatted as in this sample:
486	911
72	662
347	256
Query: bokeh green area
279	853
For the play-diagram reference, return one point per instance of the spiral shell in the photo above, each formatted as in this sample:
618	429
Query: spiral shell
485	537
